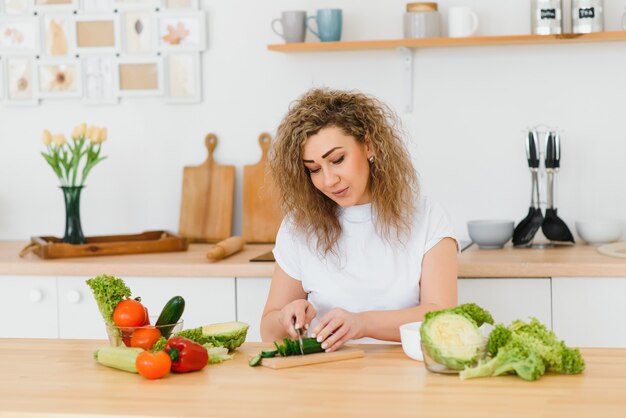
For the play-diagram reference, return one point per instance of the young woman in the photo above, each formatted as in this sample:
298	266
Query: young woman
359	252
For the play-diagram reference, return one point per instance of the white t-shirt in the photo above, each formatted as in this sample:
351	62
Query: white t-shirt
370	274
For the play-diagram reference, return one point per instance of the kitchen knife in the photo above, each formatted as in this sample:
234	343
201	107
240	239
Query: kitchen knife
300	343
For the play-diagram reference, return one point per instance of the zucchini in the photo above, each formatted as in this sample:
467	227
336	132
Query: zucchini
288	348
122	358
171	314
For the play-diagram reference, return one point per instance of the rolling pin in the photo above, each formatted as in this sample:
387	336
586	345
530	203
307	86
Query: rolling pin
225	248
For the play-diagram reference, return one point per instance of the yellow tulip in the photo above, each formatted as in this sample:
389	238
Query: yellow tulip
59	140
79	131
95	135
89	133
46	137
104	134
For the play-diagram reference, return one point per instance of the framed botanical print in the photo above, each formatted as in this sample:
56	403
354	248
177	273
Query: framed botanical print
138	31
180	4
19	35
54	5
20	79
15	7
57	34
181	31
99	79
59	78
136	4
97	33
139	77
97	6
183	81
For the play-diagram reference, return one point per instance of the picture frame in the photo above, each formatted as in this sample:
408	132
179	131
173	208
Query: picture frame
180	4
137	4
57	35
99	79
97	6
20	81
181	31
138	31
183	77
97	33
19	35
139	77
2	83
59	78
16	7
54	5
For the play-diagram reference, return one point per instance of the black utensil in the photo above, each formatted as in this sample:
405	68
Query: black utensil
527	228
553	227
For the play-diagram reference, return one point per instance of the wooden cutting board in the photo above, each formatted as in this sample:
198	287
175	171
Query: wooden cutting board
261	213
206	211
344	353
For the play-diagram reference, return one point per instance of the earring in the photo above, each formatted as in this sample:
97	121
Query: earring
371	159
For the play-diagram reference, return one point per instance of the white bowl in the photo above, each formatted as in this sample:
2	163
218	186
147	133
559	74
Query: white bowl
598	231
411	340
490	234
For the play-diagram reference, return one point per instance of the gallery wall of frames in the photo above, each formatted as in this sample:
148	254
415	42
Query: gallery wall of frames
100	51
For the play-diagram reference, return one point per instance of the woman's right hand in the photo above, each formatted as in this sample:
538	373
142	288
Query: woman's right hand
303	312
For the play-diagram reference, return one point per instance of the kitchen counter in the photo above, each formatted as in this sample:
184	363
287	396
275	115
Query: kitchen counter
59	378
576	261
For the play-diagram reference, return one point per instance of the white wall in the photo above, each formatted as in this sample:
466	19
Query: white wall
471	106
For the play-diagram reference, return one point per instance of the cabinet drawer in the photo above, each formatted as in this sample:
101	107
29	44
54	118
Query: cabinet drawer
207	300
30	304
79	316
251	297
510	299
590	311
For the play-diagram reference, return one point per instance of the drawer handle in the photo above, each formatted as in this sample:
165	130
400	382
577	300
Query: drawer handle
73	296
35	295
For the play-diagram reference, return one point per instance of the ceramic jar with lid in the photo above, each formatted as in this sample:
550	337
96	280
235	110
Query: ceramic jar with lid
587	16
422	20
546	17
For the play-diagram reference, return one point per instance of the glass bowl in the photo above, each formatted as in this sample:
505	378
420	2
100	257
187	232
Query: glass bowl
437	363
120	336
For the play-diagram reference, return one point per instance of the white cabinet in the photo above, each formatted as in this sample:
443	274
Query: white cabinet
79	316
510	299
251	296
29	307
207	300
590	311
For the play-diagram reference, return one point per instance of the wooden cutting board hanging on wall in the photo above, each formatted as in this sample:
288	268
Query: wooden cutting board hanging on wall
261	213
206	211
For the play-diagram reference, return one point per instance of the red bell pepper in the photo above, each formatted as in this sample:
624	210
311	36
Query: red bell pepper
186	355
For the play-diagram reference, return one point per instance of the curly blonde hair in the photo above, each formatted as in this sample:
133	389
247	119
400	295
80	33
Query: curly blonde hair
393	180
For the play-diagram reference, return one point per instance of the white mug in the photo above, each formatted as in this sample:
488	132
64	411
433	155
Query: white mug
462	22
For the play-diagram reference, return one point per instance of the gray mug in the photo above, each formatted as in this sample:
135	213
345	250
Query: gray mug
294	27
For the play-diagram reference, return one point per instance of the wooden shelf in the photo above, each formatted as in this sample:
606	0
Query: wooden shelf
449	42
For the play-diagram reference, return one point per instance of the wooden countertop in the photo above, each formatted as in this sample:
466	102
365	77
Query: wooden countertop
59	378
576	261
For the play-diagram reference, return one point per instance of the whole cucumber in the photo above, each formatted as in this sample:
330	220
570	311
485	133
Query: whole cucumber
170	315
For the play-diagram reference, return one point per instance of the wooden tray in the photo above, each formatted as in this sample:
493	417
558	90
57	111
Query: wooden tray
146	242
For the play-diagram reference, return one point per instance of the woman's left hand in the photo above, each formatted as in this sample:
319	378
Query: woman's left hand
337	327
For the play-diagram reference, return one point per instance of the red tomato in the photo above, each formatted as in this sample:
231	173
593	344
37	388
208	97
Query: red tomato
145	337
130	313
153	365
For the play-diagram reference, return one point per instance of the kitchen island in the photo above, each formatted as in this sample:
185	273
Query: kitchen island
59	378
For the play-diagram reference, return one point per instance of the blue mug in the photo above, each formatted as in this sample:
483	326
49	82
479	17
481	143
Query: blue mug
328	24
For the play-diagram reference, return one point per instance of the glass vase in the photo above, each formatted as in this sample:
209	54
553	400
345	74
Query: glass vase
73	229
